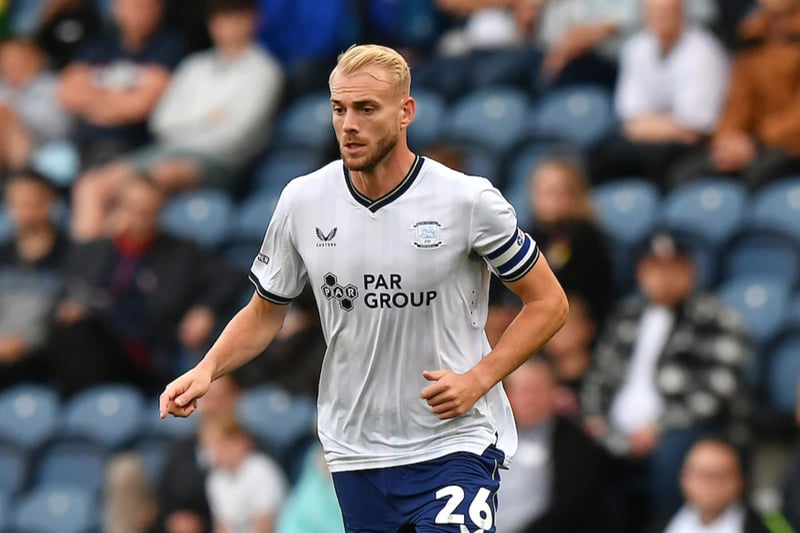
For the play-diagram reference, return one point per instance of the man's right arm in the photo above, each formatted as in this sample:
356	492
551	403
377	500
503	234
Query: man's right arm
246	336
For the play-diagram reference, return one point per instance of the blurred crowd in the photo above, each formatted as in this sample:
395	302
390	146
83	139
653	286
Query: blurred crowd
643	413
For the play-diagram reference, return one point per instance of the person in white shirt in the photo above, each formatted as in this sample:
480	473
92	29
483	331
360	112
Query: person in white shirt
672	85
397	249
245	488
212	120
713	484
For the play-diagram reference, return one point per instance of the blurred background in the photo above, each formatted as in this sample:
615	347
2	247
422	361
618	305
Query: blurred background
651	147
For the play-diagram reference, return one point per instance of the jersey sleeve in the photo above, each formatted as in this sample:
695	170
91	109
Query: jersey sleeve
510	252
278	272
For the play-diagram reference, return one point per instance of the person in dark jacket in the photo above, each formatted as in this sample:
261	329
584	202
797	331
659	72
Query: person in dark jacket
713	485
135	300
557	480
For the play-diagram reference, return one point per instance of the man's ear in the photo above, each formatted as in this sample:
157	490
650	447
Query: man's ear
408	110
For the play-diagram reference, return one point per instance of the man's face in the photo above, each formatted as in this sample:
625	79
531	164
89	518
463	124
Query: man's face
711	478
531	392
664	18
28	203
138	18
137	211
368	116
19	62
232	29
665	281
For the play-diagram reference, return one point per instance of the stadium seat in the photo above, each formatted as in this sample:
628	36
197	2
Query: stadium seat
627	209
711	208
5	510
306	124
28	416
253	216
55	509
153	452
276	418
761	302
582	114
77	464
13	471
777	206
276	169
783	372
427	125
793	311
110	415
492	118
202	215
762	253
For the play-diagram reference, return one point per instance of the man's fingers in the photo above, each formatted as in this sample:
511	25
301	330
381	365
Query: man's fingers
434	375
187	397
433	390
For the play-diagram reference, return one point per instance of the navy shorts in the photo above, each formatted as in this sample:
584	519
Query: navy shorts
456	493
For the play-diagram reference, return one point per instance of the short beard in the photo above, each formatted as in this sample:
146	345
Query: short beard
382	149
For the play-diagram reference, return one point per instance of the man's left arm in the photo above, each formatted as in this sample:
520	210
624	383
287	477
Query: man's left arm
543	313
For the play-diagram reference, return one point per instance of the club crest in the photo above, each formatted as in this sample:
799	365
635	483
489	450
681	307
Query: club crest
427	234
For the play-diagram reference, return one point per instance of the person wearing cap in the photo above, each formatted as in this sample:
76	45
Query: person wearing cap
667	370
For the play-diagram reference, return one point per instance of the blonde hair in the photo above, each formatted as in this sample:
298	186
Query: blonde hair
361	56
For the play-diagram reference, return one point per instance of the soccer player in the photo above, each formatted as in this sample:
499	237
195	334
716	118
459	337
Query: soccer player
412	415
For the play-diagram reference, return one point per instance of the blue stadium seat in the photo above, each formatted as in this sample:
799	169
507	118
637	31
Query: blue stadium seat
627	209
153	452
169	428
202	215
77	464
28	416
278	168
253	216
55	509
777	206
793	311
711	208
761	302
427	126
277	418
13	471
762	253
306	124
5	510
492	118
581	114
110	415
783	372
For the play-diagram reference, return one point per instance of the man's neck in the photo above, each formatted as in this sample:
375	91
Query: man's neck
381	180
233	51
134	43
35	242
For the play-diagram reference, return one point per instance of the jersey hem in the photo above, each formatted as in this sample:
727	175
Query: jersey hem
347	465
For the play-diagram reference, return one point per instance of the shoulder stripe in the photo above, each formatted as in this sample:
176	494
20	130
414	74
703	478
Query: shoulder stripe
265	294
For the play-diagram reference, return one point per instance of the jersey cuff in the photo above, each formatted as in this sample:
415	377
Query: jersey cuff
265	294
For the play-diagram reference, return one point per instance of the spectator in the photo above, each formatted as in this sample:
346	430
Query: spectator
312	506
758	137
64	27
558	479
293	360
117	79
181	495
30	277
15	143
245	488
671	88
209	124
134	300
571	352
566	232
713	484
667	371
32	92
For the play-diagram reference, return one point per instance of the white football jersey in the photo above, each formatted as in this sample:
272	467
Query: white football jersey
402	286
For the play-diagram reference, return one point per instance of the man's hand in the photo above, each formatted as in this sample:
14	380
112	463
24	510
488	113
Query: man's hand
451	395
12	348
732	151
70	312
657	129
180	397
643	441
